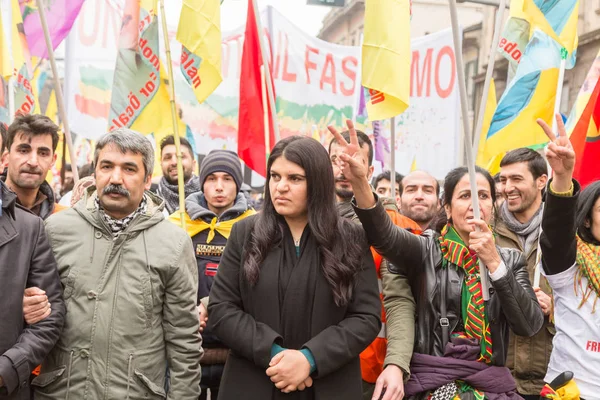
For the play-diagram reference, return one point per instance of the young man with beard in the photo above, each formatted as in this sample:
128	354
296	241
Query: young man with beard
210	216
383	186
523	176
385	363
419	198
31	144
167	186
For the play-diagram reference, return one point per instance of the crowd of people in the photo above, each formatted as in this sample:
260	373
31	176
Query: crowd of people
340	285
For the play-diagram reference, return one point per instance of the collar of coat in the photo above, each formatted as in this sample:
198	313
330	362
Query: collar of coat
152	215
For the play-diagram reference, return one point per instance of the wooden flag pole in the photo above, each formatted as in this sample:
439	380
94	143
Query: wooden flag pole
265	58
467	136
58	89
263	91
488	76
180	182
393	155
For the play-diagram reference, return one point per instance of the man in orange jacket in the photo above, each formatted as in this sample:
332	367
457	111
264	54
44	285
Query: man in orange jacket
380	368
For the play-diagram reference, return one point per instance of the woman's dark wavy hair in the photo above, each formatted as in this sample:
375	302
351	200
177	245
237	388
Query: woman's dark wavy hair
585	208
450	182
340	243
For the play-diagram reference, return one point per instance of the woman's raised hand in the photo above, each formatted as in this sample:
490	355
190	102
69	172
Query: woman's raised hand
351	160
560	155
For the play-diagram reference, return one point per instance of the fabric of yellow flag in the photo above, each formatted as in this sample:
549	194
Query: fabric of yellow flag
483	156
566	32
156	119
20	49
524	131
413	166
386	57
199	32
517	9
6	68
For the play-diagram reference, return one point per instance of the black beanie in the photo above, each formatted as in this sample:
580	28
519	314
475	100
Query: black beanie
222	161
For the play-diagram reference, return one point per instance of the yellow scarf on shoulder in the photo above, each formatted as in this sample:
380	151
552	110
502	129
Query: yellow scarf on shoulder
193	226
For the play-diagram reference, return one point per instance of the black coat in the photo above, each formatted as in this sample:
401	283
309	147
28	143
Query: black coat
26	260
247	319
512	305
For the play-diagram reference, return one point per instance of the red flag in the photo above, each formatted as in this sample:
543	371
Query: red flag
586	141
251	127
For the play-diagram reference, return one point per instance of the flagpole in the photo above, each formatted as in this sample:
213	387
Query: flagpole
488	76
263	91
393	155
58	90
559	88
180	182
11	99
263	51
467	136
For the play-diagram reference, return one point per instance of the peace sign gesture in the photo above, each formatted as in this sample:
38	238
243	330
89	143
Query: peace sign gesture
354	167
350	161
560	154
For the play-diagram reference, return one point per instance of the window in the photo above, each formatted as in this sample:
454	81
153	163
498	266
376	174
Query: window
470	73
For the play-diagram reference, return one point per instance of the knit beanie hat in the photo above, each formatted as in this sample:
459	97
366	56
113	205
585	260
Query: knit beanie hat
222	161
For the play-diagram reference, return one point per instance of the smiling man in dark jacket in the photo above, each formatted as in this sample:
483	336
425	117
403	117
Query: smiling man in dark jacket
25	260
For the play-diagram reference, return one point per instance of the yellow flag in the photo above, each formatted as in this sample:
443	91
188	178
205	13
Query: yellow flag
413	166
6	68
483	156
386	57
156	119
20	48
559	21
199	32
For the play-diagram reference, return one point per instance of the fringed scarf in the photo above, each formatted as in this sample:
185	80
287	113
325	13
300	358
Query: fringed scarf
474	314
588	259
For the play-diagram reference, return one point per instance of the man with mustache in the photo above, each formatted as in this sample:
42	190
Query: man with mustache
385	363
31	144
419	198
523	175
167	186
130	283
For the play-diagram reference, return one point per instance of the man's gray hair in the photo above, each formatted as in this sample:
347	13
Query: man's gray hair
128	140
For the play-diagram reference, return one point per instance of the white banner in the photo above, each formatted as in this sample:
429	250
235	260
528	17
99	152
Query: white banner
315	84
428	131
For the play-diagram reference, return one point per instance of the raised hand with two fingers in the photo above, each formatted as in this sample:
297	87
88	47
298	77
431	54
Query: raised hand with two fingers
560	155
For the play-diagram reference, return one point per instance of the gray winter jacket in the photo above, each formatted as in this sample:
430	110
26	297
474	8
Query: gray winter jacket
131	308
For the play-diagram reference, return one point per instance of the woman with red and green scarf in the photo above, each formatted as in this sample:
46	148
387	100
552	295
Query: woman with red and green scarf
460	341
570	245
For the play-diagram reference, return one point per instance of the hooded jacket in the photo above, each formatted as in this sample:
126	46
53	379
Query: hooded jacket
26	260
131	308
208	254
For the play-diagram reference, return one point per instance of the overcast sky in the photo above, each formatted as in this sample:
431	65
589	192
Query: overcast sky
233	13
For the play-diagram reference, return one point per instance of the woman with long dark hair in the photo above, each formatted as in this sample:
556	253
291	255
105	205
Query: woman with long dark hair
570	244
460	340
296	295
